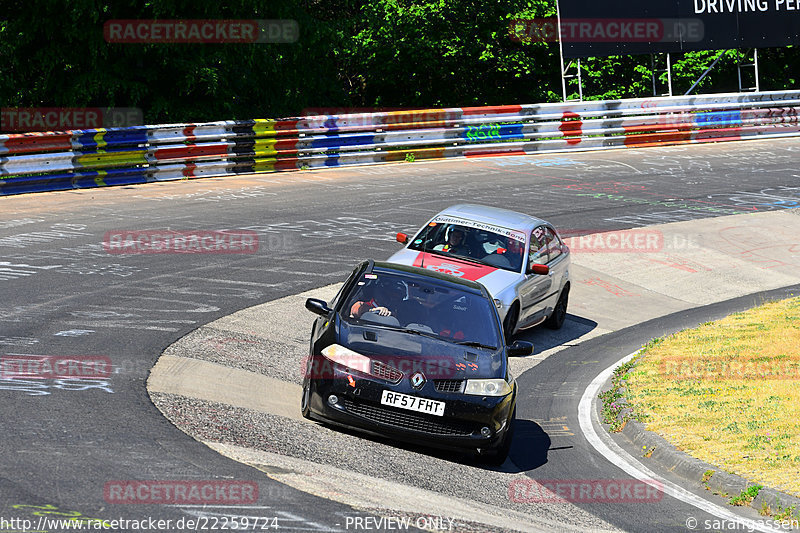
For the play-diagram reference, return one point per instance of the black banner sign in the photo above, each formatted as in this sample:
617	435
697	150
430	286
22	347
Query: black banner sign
621	27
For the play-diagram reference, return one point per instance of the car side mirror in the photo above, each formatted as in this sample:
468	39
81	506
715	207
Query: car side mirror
318	307
541	270
402	238
520	348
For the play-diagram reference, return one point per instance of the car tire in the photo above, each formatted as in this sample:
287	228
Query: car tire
305	400
559	315
510	322
499	454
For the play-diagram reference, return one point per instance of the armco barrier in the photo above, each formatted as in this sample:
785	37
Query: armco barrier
140	154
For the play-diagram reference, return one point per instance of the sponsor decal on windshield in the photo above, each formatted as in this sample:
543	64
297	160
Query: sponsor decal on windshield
453	267
514	234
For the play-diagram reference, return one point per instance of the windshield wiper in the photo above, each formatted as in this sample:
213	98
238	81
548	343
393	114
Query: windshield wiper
476	344
423	333
473	344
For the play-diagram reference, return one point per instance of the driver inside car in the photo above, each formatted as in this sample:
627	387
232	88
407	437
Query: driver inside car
383	297
455	242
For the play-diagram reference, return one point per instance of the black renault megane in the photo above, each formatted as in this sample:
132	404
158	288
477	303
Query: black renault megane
414	355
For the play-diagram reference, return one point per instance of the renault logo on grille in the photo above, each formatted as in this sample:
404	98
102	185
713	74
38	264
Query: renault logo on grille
417	380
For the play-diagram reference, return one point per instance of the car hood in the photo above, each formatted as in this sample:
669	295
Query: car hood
437	359
494	279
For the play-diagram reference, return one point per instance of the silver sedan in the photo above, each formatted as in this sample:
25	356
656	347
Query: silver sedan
520	259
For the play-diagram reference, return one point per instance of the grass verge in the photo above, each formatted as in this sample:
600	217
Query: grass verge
727	393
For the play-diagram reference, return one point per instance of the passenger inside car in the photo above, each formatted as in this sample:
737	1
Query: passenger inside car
514	252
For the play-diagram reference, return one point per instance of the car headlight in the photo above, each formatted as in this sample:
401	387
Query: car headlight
347	357
487	387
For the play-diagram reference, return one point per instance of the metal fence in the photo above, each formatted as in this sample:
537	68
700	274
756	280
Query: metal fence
123	156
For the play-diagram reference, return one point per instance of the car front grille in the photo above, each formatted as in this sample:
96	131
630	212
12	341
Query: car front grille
449	385
379	369
410	421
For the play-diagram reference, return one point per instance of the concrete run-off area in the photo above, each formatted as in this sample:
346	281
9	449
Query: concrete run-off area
235	382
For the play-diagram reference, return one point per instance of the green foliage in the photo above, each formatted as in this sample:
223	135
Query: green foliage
786	513
746	496
631	76
351	53
55	54
616	411
445	53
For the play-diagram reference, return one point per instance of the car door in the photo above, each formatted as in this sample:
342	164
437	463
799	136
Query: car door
535	290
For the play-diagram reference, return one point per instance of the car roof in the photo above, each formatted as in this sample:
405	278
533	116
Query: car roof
493	215
413	271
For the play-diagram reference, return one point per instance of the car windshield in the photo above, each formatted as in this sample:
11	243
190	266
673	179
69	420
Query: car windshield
495	246
428	307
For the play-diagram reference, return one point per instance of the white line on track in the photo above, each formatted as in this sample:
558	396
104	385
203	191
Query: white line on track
616	455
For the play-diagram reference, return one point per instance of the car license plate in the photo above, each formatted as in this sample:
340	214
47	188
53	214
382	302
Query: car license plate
412	403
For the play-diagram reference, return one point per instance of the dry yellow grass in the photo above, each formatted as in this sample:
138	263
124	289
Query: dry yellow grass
728	393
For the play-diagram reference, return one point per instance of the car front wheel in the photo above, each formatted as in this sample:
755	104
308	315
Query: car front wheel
510	323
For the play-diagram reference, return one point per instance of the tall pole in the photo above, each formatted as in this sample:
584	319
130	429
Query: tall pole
561	53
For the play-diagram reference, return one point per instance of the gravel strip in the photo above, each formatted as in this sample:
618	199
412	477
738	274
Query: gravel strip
434	471
280	360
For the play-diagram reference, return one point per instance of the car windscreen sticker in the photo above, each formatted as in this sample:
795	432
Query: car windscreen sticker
514	234
453	266
447	268
371	276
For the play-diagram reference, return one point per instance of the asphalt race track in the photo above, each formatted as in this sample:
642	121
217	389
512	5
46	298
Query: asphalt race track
65	441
